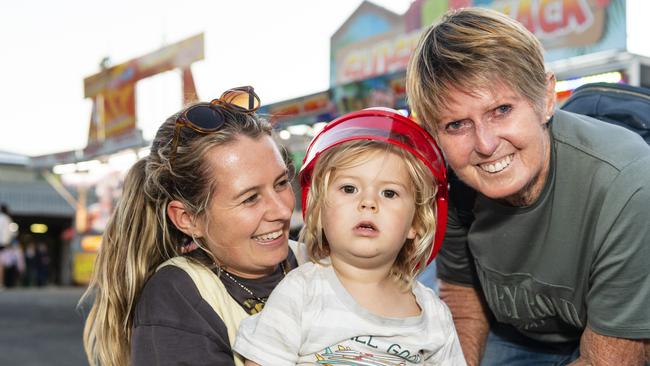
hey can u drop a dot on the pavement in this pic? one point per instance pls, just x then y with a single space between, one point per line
41 326
44 326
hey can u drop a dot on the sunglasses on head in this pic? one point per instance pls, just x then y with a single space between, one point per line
206 118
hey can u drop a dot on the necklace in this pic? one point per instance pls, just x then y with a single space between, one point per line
263 301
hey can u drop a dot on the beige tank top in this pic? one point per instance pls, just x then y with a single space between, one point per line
214 293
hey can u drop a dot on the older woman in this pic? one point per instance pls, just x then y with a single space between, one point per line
548 221
214 179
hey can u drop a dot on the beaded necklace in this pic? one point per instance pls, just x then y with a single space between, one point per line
263 301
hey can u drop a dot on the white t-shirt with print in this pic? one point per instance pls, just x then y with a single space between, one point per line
310 318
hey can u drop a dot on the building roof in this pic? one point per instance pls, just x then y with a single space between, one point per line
368 7
9 158
35 198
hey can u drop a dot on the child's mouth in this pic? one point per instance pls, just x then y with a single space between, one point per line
366 228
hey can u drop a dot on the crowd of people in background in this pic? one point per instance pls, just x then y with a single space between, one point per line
24 261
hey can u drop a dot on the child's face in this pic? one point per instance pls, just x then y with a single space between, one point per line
368 211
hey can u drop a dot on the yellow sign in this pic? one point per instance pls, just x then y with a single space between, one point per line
113 89
91 243
82 267
119 111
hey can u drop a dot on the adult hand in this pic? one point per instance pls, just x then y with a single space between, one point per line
470 319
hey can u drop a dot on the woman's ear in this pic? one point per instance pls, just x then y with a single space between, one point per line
549 107
182 219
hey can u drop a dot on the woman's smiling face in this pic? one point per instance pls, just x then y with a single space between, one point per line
497 142
247 228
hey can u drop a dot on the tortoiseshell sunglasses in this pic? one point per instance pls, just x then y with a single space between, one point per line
207 118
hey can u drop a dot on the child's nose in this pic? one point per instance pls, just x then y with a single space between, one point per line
368 204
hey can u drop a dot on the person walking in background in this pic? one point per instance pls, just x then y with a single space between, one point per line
5 235
30 274
42 264
374 190
214 180
13 263
5 226
547 254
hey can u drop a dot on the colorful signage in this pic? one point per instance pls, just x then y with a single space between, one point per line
372 58
566 28
113 89
370 42
178 55
570 28
564 88
82 267
91 243
311 106
118 111
380 91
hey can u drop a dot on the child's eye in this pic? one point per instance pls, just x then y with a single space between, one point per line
349 189
389 193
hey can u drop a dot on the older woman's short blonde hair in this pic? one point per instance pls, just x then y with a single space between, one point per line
471 49
415 252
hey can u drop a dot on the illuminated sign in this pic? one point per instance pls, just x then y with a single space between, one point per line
38 228
564 88
82 267
311 105
362 61
566 28
113 89
91 243
558 23
571 84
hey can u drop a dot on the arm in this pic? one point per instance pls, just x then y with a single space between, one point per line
251 363
470 319
597 350
456 271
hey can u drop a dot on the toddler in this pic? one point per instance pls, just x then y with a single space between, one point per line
374 203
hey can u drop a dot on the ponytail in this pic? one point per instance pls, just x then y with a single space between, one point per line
139 236
127 257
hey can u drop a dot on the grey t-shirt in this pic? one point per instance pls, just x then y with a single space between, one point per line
580 255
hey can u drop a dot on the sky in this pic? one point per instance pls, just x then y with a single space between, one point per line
281 47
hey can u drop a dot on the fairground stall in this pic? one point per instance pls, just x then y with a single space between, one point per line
585 41
91 179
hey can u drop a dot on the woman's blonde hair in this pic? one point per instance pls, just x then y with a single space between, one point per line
139 235
471 49
415 252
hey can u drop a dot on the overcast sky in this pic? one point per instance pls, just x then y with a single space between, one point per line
279 46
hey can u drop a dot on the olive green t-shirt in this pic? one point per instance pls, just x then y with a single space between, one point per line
580 255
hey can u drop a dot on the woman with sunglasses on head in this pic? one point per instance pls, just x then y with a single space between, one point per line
216 181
